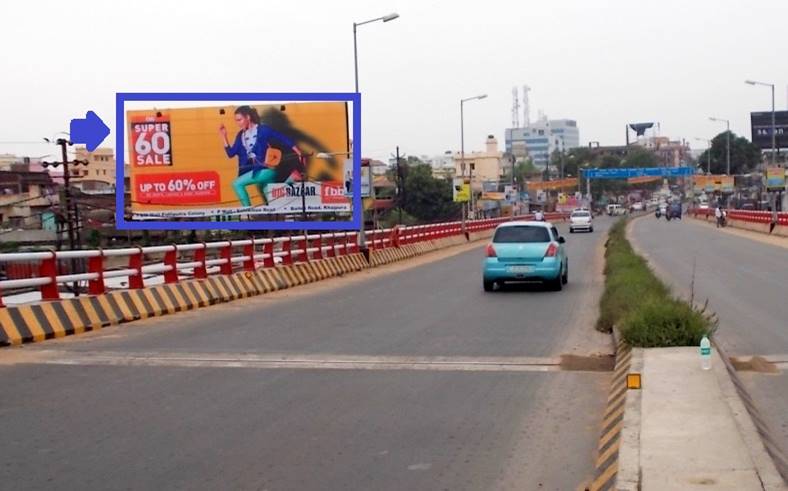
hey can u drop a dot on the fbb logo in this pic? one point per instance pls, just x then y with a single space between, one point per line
333 192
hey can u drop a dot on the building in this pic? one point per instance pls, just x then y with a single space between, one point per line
669 153
540 139
442 165
482 166
101 165
26 199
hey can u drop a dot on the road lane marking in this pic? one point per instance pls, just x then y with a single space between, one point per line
329 361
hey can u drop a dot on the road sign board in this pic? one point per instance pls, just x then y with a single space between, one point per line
627 172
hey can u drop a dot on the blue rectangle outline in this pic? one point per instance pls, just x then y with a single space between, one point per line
120 121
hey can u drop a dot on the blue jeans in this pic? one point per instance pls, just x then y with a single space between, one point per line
259 178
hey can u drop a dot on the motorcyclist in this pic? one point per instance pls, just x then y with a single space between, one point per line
539 216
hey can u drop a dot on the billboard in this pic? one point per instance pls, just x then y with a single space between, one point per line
628 172
461 190
713 183
347 179
261 159
557 184
761 124
775 178
643 179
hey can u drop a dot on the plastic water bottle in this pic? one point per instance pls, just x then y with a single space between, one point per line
705 353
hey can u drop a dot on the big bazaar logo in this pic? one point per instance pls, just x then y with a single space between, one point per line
333 192
293 191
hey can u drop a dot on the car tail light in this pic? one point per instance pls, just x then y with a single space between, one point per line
552 250
490 251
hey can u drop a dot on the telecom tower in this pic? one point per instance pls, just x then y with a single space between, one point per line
515 109
526 107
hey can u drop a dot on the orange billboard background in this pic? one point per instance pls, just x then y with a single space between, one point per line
178 160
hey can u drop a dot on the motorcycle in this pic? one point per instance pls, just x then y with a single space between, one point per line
658 213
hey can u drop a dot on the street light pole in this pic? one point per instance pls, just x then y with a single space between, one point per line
362 238
400 190
462 142
774 143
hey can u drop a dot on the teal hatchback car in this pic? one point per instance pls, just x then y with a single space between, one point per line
526 251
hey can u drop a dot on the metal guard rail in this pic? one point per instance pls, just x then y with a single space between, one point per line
751 216
254 254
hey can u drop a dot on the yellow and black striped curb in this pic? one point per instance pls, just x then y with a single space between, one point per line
47 320
379 257
613 421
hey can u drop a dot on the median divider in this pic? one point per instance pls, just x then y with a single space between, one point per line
281 263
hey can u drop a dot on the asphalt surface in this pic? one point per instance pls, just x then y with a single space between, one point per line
745 283
192 401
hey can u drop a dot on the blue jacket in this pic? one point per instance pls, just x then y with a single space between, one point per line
265 135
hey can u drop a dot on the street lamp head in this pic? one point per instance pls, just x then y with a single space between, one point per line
391 16
483 96
750 82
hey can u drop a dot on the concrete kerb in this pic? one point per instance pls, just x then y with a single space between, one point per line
769 460
629 476
611 438
764 453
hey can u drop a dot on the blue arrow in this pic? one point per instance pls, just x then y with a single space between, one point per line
90 131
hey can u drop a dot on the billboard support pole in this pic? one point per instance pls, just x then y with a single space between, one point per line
774 132
400 189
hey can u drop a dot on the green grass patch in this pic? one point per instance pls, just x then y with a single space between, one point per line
640 305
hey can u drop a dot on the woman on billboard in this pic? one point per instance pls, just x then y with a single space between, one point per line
250 146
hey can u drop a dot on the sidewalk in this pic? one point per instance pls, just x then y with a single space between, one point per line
694 432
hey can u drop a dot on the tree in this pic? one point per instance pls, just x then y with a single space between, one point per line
745 156
426 198
640 157
524 170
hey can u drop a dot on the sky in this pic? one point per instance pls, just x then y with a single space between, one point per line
604 63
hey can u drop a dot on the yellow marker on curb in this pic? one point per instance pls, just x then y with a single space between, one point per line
633 381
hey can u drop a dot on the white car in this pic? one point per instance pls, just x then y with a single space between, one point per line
580 220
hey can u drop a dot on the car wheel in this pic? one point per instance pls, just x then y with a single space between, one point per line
556 285
590 229
489 286
571 230
565 276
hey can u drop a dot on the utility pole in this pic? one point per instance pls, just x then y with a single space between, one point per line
563 151
400 189
71 215
67 193
471 207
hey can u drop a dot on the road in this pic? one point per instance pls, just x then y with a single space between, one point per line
414 379
745 283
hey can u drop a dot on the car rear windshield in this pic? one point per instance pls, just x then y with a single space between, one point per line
582 214
521 233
